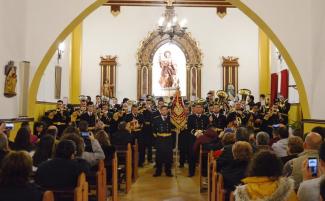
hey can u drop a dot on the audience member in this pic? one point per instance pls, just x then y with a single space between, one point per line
235 172
280 147
295 147
309 188
322 189
262 141
122 136
275 135
2 127
52 130
210 136
44 150
4 147
264 181
22 141
293 167
39 129
91 157
15 175
226 156
106 145
320 130
62 171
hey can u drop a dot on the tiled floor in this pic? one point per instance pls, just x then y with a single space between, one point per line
180 188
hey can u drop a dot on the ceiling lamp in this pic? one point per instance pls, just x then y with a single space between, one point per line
169 23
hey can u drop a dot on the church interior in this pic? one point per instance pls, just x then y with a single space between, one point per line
162 100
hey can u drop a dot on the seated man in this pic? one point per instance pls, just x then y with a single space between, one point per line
293 167
280 147
309 188
61 172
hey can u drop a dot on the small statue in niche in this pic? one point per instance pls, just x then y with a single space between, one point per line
107 89
11 80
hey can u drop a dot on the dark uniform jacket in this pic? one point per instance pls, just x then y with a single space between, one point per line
90 119
197 122
219 120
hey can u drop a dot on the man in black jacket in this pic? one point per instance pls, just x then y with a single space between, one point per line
196 121
61 172
89 116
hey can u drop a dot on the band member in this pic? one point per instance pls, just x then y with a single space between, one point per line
89 116
241 114
61 117
255 119
135 121
98 101
163 129
183 135
118 116
147 129
106 117
271 118
196 122
284 108
217 119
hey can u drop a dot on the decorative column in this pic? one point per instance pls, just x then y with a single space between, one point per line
264 63
75 66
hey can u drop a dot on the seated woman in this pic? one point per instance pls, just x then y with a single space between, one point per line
122 136
295 147
105 143
39 129
22 141
62 171
14 178
235 172
44 150
4 147
264 181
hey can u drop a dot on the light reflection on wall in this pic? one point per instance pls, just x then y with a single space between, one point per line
169 70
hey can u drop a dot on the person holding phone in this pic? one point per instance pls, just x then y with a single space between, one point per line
313 172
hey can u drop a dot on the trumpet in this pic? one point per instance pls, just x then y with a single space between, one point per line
244 93
222 96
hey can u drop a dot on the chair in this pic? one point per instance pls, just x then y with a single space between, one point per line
114 181
210 173
220 189
203 161
232 196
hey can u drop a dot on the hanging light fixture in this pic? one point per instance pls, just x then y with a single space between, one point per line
169 24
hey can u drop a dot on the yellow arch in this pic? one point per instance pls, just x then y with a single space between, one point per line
241 6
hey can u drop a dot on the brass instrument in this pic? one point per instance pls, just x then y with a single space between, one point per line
118 115
222 96
244 93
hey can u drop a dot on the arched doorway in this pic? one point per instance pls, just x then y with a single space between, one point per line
237 3
189 67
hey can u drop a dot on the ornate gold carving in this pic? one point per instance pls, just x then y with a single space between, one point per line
153 42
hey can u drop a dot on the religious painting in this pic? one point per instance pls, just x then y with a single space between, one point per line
108 76
230 76
169 70
58 75
10 80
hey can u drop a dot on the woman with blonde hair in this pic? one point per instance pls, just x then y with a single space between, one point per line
265 181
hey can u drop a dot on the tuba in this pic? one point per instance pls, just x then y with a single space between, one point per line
222 96
244 93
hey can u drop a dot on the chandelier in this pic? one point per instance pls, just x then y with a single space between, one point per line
169 24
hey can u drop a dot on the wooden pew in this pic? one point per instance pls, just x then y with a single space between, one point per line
232 196
220 190
101 186
124 155
48 196
203 159
80 193
114 181
135 161
211 169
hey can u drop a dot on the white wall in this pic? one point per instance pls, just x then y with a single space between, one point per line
299 24
46 90
11 48
235 35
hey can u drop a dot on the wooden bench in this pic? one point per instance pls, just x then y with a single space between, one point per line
48 196
203 166
211 169
232 196
135 161
114 181
124 155
79 193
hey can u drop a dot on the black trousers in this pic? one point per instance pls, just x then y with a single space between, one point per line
164 154
182 147
190 140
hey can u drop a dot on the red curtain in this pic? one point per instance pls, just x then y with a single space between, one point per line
274 87
285 83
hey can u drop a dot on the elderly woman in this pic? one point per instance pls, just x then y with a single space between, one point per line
235 172
264 181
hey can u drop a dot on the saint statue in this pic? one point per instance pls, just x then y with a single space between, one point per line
11 79
231 91
168 71
107 89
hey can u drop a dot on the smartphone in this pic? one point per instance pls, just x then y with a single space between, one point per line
313 166
85 134
9 126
